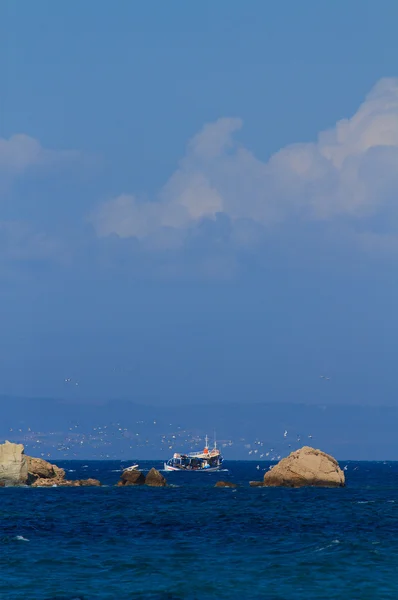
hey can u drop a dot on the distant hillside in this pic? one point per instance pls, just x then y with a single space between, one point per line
118 429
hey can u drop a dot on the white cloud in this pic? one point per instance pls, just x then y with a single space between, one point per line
350 172
21 152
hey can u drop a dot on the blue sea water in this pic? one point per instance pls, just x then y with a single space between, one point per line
193 541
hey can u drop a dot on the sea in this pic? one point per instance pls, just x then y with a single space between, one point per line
194 541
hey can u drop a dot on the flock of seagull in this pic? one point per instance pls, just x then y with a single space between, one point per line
112 440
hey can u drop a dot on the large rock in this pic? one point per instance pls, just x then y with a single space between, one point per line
39 468
306 467
13 464
155 479
131 478
18 469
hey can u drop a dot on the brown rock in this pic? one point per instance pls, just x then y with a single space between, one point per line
13 464
43 469
132 478
306 467
40 469
256 484
59 473
225 484
44 474
90 482
43 482
155 479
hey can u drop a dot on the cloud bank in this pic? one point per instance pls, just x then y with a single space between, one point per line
349 174
21 152
222 209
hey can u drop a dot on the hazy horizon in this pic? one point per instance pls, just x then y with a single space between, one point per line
58 430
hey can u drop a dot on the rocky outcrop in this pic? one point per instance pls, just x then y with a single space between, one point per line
131 478
155 479
306 467
44 474
41 469
18 469
13 464
225 484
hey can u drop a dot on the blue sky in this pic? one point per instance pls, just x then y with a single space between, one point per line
199 200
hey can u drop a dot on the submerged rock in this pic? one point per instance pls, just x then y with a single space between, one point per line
306 467
256 483
155 479
13 464
131 478
54 482
225 484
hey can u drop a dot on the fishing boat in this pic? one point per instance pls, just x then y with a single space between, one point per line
207 460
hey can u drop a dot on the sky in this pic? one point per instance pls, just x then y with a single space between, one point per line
199 201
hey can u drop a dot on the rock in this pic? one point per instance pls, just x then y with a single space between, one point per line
256 483
59 473
13 464
40 473
44 482
89 482
40 468
306 467
53 482
155 479
131 478
225 484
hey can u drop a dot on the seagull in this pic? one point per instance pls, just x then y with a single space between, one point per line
285 434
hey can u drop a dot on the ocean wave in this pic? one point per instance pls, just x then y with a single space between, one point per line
333 543
21 538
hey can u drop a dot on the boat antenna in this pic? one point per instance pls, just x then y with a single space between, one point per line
215 441
207 442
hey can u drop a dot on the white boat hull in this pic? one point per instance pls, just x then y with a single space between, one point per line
209 470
